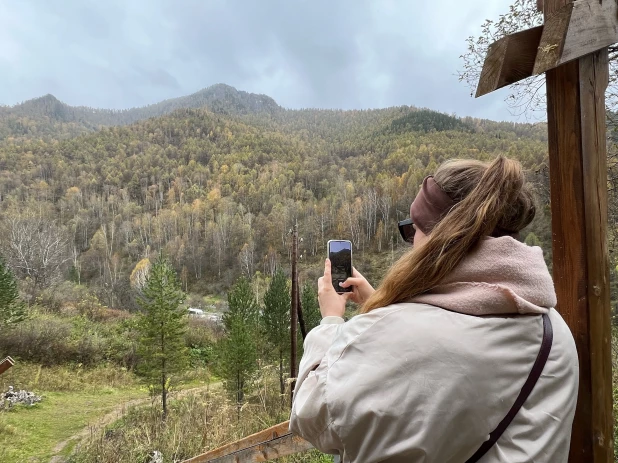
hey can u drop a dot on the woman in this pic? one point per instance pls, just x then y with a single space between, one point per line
442 349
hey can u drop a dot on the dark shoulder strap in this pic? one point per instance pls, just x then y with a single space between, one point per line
535 373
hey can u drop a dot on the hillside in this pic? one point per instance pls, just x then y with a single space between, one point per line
48 117
219 192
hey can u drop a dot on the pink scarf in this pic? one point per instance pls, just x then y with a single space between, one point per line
499 276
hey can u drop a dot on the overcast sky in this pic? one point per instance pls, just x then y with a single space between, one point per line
318 53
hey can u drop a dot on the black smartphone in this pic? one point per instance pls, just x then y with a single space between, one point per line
340 255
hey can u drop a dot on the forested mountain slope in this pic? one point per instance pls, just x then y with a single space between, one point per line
46 116
219 192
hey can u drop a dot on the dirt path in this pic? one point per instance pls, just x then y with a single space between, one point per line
115 415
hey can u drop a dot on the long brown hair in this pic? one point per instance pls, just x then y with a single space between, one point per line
489 196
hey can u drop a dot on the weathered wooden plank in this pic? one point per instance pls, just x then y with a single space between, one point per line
551 45
568 233
7 363
575 30
271 434
509 60
594 79
570 32
267 451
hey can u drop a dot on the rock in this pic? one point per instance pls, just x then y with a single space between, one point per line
156 457
12 397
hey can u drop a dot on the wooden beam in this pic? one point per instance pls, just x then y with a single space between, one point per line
509 60
267 451
7 363
570 32
575 30
578 184
269 440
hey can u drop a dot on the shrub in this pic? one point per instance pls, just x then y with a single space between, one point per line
53 340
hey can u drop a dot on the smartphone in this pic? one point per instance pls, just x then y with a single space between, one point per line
340 255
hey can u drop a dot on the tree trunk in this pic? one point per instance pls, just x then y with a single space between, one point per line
163 378
163 391
281 381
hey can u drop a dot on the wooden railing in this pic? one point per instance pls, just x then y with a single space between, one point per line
6 364
266 445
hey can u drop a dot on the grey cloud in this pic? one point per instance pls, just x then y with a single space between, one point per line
344 54
159 78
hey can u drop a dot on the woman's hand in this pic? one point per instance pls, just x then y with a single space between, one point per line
361 289
331 303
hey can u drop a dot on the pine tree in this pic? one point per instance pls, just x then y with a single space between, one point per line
276 319
242 304
238 357
162 327
311 308
12 309
238 350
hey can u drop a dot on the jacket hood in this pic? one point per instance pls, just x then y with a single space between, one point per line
499 276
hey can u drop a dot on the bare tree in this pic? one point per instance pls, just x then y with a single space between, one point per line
245 258
36 248
527 97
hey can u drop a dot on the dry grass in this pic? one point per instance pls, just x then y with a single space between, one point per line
196 423
68 378
72 397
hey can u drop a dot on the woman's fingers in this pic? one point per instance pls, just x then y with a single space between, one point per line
324 282
352 281
327 269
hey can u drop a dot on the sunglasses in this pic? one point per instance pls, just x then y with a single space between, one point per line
407 231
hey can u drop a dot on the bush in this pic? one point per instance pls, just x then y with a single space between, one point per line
53 340
45 340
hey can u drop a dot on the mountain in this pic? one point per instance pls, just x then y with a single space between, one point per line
217 179
47 116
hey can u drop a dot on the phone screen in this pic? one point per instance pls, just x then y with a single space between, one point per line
340 255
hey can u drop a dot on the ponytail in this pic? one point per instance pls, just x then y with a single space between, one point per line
489 197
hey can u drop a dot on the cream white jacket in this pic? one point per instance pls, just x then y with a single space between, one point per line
416 383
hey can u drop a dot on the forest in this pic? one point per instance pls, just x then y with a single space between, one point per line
218 190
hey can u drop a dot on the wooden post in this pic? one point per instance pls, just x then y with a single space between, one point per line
578 183
301 318
293 310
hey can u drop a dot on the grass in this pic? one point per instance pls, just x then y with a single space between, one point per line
201 420
74 398
31 433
